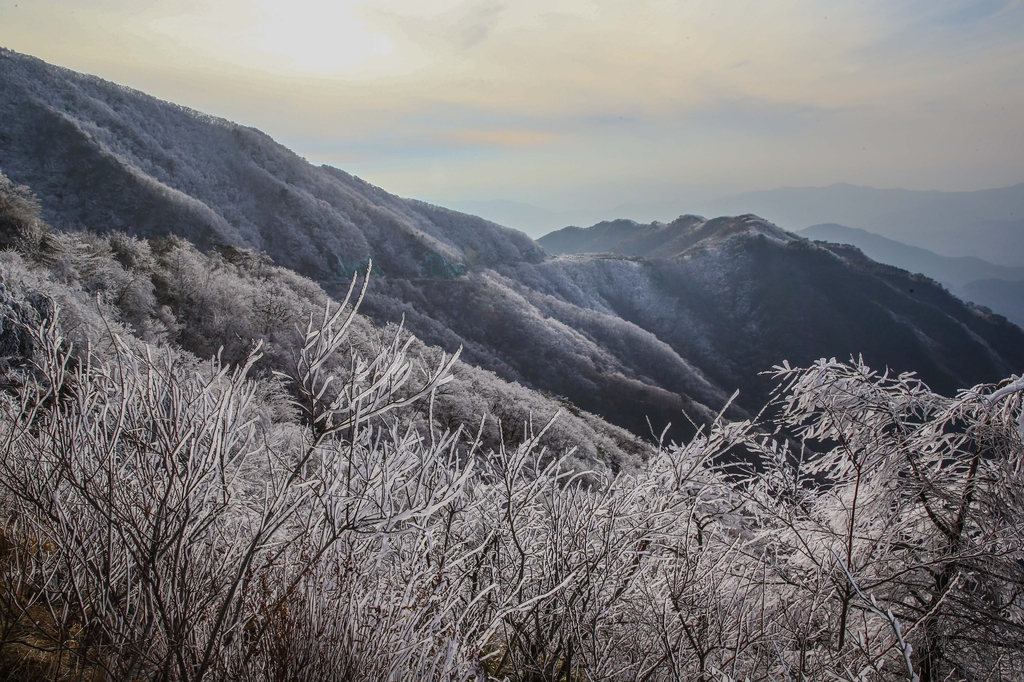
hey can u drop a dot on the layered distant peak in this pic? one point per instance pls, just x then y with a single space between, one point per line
602 237
658 240
693 234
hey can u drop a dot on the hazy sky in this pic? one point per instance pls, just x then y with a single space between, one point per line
566 103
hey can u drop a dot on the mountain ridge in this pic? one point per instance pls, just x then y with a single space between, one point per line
656 240
797 285
85 126
946 222
954 271
987 224
639 340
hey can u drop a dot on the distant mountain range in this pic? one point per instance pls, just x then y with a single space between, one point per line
533 220
671 319
996 286
986 224
537 222
1005 298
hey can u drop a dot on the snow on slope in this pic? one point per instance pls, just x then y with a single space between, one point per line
105 157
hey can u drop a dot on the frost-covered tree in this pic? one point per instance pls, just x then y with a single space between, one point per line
169 519
904 506
146 498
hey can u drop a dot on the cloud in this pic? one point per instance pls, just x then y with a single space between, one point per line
973 12
761 118
502 137
475 26
538 96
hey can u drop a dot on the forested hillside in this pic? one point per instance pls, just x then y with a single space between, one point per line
223 302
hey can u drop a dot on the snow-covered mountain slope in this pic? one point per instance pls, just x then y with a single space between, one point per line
679 317
105 157
735 296
164 291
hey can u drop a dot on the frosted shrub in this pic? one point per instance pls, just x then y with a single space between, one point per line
897 542
167 519
20 224
146 500
605 568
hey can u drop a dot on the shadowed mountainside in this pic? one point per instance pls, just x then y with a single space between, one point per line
952 271
1006 298
736 295
972 279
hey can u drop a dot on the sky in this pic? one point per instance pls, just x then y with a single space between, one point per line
567 104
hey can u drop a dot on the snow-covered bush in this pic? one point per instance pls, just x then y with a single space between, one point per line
906 507
175 520
145 498
20 224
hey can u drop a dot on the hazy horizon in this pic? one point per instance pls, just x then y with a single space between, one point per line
612 206
566 104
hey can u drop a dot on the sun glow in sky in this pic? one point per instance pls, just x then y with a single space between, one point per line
572 103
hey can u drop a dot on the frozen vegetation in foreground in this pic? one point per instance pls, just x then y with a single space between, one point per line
173 520
322 507
324 504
